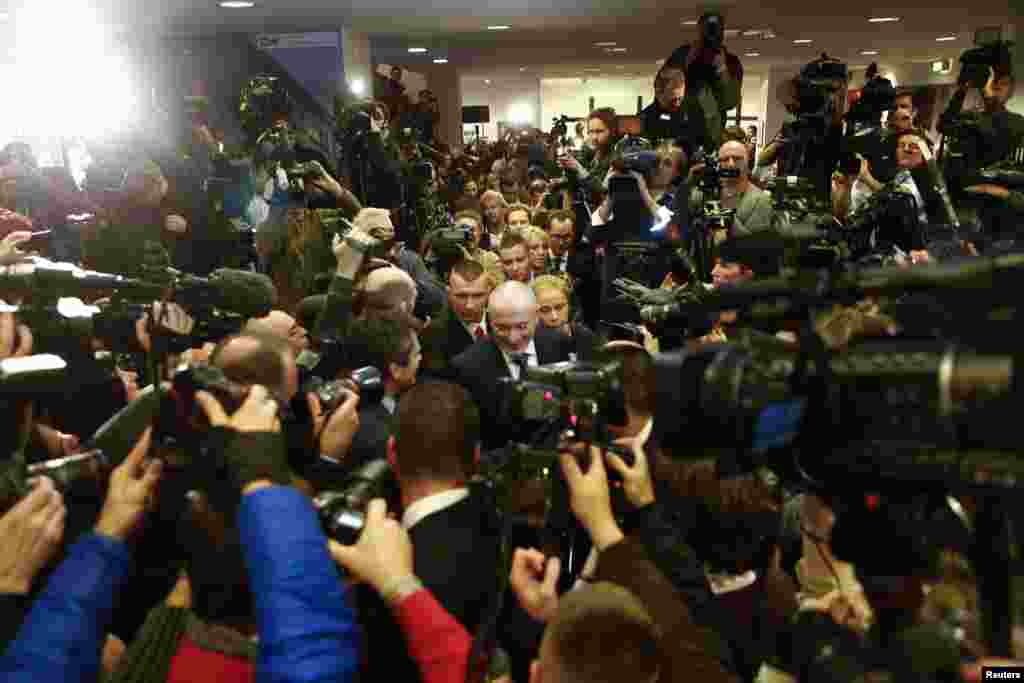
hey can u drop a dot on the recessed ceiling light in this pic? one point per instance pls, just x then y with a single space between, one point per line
487 81
237 4
868 53
522 69
609 43
690 22
883 20
440 61
498 27
802 41
619 49
417 50
945 39
752 54
752 33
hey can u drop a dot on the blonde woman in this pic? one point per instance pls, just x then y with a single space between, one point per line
537 247
553 295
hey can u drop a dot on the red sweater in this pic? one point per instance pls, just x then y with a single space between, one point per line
439 644
192 663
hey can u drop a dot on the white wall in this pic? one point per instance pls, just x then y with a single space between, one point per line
501 96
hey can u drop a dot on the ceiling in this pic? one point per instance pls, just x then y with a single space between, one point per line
555 38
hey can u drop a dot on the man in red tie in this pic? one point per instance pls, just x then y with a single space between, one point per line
462 322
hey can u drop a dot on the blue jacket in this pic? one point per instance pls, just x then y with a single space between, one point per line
306 626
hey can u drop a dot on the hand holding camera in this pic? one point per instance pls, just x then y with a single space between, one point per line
9 251
636 475
382 557
590 494
335 425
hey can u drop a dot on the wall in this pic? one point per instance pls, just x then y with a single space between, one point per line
501 96
318 69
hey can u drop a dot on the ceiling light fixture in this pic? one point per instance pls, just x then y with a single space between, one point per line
945 39
522 69
237 4
441 61
417 50
609 43
498 27
619 49
487 81
883 20
802 41
868 53
357 86
690 22
752 54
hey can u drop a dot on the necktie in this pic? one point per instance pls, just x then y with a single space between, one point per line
479 332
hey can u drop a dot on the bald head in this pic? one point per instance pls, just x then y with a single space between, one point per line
255 357
283 326
512 315
389 290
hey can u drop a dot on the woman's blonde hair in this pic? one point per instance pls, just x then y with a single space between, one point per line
545 282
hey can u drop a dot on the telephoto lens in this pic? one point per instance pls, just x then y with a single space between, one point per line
343 513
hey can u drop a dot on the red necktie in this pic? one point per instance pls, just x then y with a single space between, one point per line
479 332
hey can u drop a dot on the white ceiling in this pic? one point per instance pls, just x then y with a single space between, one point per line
555 38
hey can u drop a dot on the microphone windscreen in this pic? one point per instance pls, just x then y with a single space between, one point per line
252 295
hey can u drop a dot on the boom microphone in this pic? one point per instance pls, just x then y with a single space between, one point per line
1001 274
251 295
69 280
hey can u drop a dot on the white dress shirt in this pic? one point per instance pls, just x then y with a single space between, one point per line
424 507
532 361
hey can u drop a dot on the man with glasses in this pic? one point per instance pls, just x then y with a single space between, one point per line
515 340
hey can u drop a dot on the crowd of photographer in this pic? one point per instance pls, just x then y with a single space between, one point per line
664 407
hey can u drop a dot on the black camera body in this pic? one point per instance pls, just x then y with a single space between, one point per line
343 512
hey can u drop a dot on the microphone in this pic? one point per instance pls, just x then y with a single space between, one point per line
65 278
1003 273
251 295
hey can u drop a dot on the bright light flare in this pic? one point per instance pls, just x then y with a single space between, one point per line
68 82
520 113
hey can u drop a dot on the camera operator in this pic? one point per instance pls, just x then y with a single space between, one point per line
628 593
753 206
714 76
603 134
455 544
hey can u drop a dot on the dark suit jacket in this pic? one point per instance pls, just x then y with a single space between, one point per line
371 440
455 553
442 340
480 368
